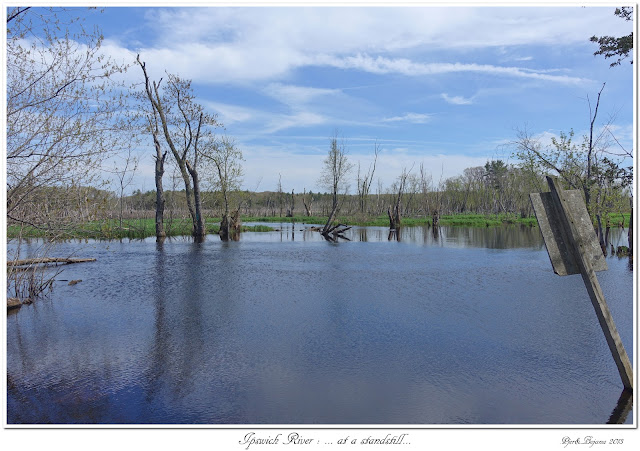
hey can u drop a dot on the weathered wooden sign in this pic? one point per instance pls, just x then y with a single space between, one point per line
556 239
574 249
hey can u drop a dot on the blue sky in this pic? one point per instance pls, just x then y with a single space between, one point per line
447 87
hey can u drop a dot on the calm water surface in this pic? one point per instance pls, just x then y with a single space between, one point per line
469 327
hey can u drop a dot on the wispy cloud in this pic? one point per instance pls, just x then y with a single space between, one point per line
297 95
230 114
212 45
298 119
414 118
456 100
382 65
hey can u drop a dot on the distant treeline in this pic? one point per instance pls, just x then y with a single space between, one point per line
493 189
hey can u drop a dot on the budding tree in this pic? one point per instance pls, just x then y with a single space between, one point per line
334 175
226 158
64 110
187 128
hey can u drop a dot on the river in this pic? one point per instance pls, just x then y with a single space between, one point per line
468 327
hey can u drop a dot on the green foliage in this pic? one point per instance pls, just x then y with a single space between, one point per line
620 47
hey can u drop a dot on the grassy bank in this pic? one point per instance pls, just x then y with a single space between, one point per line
131 228
144 228
467 220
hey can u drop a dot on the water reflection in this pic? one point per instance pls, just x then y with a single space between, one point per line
483 237
428 330
622 409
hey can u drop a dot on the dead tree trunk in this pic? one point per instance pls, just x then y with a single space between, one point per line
435 218
630 232
290 209
160 200
394 212
187 170
48 260
224 228
395 219
198 220
307 206
332 217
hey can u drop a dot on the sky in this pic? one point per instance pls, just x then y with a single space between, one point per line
447 87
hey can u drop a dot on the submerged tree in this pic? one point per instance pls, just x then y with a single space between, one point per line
226 159
394 210
160 157
186 128
333 177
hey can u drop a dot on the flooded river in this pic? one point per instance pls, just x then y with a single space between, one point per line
468 327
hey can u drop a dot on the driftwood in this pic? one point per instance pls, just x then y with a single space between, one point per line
48 260
15 303
334 232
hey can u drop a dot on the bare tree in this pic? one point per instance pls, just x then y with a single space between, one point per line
186 127
578 167
308 204
125 174
280 194
364 182
160 158
334 178
394 211
64 109
291 205
226 158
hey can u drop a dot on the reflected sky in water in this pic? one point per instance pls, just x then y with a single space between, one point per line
467 327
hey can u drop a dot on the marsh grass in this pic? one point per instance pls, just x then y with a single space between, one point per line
131 229
144 228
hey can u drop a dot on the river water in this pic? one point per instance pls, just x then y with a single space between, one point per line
469 327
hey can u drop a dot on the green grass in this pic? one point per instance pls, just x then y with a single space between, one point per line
131 228
467 220
472 220
144 228
618 218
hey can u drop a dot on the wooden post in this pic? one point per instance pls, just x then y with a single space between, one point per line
579 245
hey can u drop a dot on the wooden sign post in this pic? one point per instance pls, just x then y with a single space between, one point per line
573 248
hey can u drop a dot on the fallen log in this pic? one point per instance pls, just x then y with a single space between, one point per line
48 260
14 303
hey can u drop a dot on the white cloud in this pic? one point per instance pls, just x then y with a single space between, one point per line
220 44
299 119
229 114
297 95
456 100
382 65
414 118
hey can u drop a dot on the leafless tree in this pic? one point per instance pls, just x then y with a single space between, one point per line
226 158
186 128
395 211
334 177
64 119
364 182
64 110
308 203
